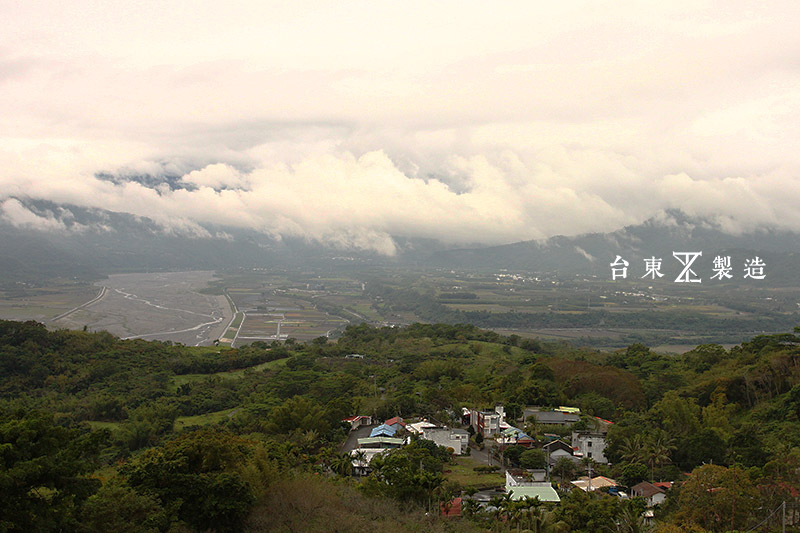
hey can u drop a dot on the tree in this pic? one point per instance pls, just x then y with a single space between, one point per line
633 449
717 498
780 480
411 473
565 469
533 458
658 450
547 522
201 475
513 410
589 466
342 464
360 457
43 470
631 520
513 453
632 474
704 446
588 511
678 416
117 507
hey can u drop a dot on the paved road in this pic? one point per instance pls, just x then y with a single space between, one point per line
482 456
83 306
352 439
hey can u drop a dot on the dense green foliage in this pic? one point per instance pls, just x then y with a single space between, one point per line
96 431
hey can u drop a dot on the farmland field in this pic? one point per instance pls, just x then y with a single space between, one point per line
151 306
242 306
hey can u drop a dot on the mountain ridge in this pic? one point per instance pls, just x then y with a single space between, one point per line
72 241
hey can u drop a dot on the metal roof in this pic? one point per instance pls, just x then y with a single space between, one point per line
545 493
383 429
381 440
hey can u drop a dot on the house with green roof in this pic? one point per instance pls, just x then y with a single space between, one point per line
542 490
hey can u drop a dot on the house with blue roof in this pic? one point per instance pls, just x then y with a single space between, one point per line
383 431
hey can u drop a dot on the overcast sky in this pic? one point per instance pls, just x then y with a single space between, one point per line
348 122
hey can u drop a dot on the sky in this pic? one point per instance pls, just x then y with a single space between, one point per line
352 122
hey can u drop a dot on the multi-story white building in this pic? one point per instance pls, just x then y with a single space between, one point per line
486 422
590 444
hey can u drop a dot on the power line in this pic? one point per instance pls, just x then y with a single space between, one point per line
781 506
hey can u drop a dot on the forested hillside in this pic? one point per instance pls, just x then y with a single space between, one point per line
100 434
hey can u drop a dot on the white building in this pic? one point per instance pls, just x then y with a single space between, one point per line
590 444
487 423
417 427
653 495
457 439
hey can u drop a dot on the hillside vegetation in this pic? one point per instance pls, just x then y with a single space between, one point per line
101 434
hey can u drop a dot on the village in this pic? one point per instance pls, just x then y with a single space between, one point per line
536 469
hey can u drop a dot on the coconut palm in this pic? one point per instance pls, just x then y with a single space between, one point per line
360 458
631 521
546 522
342 464
633 449
658 451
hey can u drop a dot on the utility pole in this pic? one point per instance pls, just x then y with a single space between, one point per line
783 517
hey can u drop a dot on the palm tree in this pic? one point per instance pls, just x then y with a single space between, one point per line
360 457
342 464
630 521
633 449
546 523
659 449
500 508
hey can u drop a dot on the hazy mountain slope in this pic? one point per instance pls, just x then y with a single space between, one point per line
70 241
592 254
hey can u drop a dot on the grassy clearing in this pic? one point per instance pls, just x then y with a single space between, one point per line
103 425
203 420
179 380
462 473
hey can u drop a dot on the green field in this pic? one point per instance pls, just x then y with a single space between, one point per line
204 419
182 379
462 472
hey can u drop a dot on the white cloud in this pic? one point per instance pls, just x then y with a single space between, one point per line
350 123
17 214
216 176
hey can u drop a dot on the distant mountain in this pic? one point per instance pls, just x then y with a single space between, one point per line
68 241
31 256
592 254
76 242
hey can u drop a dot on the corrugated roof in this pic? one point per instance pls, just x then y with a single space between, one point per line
383 429
381 440
596 482
395 420
555 417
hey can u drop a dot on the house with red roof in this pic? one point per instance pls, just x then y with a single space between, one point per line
396 422
357 421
